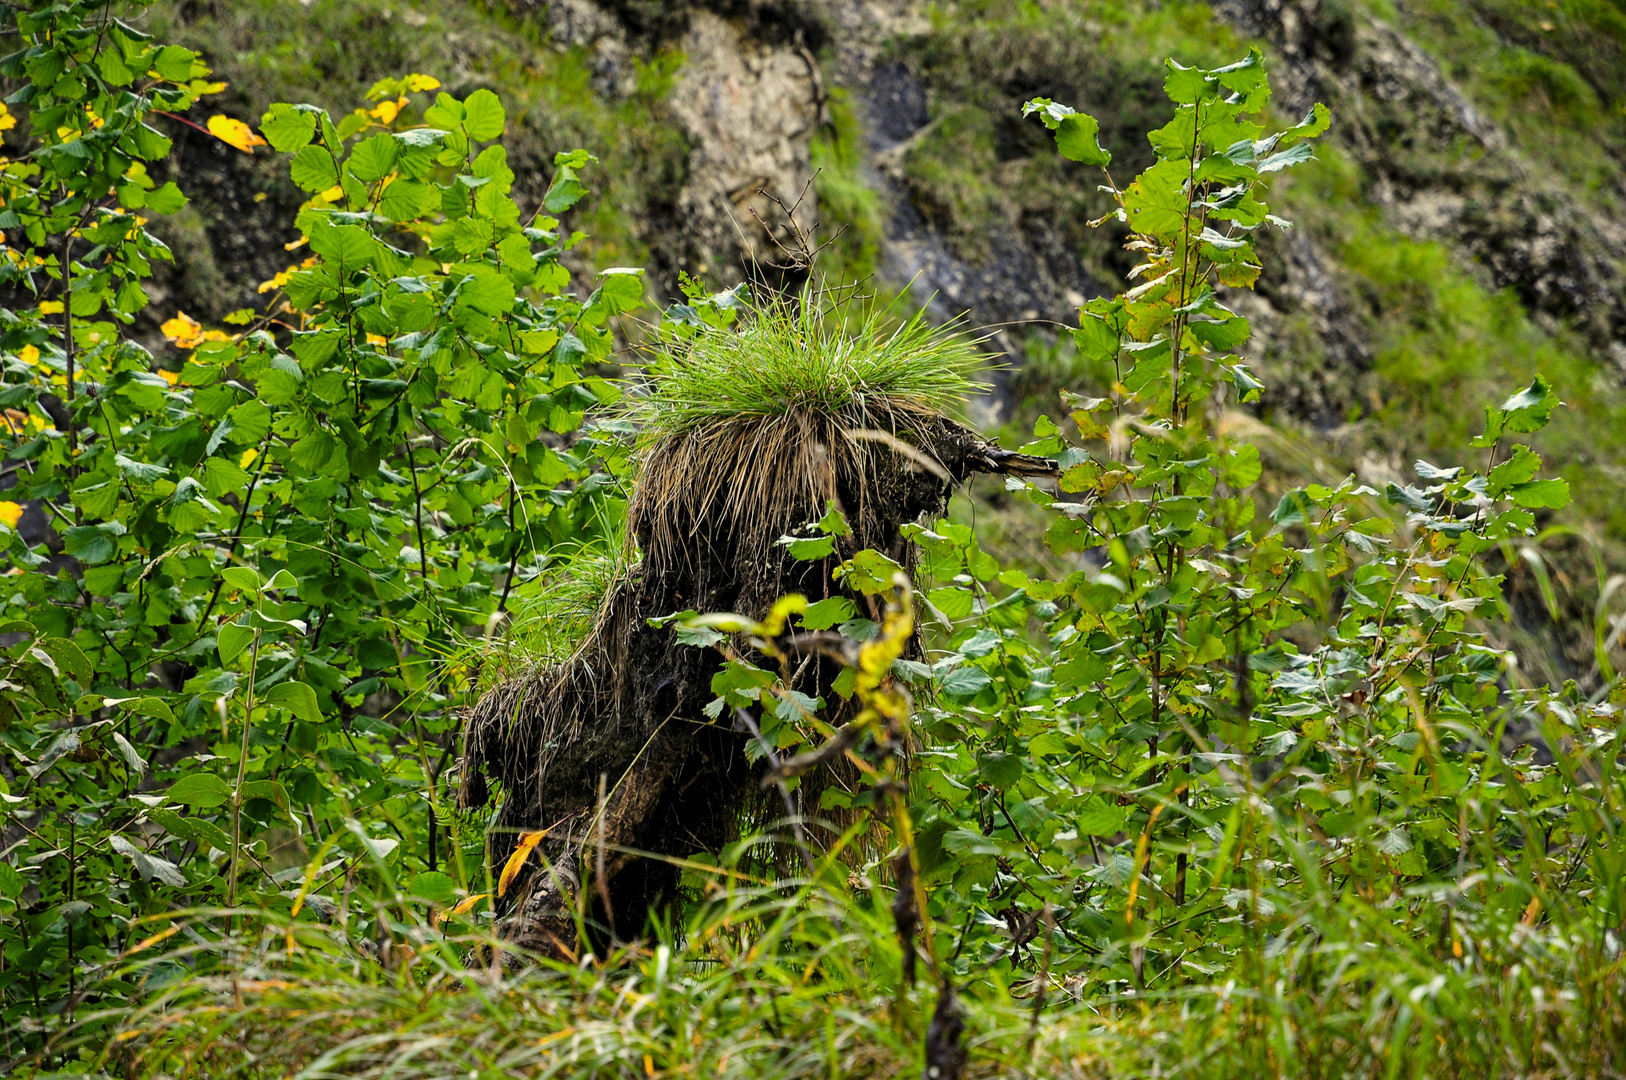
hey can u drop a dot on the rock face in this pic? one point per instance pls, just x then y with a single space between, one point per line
1441 169
748 87
751 97
748 104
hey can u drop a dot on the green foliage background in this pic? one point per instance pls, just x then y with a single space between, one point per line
1222 762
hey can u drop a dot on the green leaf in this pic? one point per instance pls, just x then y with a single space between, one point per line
69 659
90 544
174 63
483 116
1551 494
12 883
297 698
1101 818
156 708
1185 85
199 790
231 640
407 200
222 476
1156 202
65 743
269 790
1531 408
828 612
138 471
999 770
243 578
1242 467
132 760
566 190
314 450
435 887
288 129
869 572
313 169
807 548
621 289
166 199
147 865
1315 122
953 601
487 293
965 681
1077 137
373 158
351 246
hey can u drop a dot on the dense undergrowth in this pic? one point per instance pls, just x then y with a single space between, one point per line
1240 786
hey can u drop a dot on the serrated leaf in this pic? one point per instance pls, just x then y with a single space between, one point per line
965 681
1553 494
373 158
953 601
1000 770
831 611
313 169
88 543
483 116
287 128
1077 137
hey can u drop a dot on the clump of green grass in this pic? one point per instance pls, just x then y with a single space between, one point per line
790 356
556 610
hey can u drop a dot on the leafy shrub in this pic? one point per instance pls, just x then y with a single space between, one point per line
1246 790
279 556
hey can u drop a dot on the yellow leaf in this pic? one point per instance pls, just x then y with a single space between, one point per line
248 458
463 906
377 339
10 514
7 121
387 111
29 354
516 861
332 194
50 307
234 133
422 82
183 331
171 377
148 943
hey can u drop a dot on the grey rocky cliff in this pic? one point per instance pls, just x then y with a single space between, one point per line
753 92
1441 169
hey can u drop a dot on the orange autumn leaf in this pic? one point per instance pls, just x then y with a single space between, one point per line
183 330
387 111
148 943
516 861
10 514
463 907
234 133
